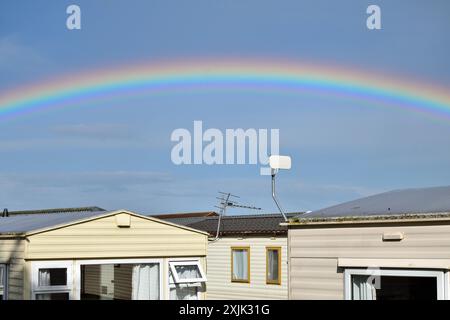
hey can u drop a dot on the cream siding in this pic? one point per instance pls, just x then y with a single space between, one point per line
219 285
314 252
12 253
101 238
315 279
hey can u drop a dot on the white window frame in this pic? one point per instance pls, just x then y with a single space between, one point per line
79 263
442 279
36 289
172 284
5 280
177 280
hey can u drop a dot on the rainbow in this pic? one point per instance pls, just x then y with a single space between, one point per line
260 74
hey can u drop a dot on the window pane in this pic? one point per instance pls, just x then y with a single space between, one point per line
2 281
120 281
52 277
240 264
273 267
181 292
407 288
188 272
394 288
53 296
2 276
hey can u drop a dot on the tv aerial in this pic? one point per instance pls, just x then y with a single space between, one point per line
226 200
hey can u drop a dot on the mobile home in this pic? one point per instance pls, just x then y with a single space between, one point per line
248 259
100 255
394 245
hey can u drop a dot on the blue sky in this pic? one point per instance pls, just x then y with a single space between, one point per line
116 153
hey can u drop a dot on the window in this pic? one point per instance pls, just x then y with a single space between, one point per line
52 277
185 279
366 284
118 279
187 271
53 296
52 280
273 265
114 281
240 264
3 281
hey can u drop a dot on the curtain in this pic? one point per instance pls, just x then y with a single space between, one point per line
188 272
240 267
363 289
43 281
183 292
2 276
44 277
273 265
2 281
145 282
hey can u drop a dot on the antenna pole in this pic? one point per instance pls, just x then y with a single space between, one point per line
224 203
274 196
223 209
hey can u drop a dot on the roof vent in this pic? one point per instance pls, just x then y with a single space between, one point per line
123 220
393 236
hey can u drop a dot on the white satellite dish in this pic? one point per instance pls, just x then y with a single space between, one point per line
280 162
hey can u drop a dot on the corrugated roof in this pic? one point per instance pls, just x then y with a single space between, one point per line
23 223
183 221
186 215
238 224
392 203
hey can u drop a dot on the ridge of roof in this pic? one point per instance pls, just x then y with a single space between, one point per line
57 210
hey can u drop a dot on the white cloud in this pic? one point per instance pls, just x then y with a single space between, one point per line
84 179
17 57
103 131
